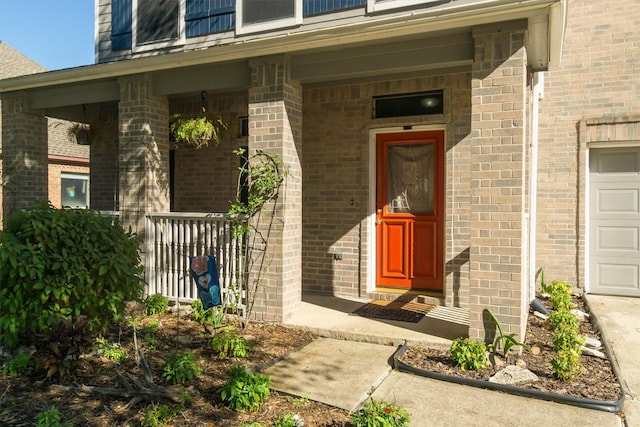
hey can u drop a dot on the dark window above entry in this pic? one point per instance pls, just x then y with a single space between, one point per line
412 104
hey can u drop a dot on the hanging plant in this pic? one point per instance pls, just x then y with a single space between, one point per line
200 130
81 133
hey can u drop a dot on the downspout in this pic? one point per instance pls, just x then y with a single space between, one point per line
538 94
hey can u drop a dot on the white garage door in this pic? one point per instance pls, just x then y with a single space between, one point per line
614 221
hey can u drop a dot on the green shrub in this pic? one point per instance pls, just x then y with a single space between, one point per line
560 295
228 344
51 418
563 317
245 391
289 420
469 354
18 365
566 364
156 304
567 336
181 367
380 414
63 263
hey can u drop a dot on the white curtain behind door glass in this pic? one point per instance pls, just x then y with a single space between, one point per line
410 178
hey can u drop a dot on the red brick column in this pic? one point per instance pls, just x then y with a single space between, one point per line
24 155
275 126
498 119
143 159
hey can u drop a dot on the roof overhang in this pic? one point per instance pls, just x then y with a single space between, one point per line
99 83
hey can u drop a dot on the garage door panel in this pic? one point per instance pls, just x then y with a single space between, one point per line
624 201
618 276
617 239
614 221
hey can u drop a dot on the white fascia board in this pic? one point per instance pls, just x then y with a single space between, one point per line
557 27
461 13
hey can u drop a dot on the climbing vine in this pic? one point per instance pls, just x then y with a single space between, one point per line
261 176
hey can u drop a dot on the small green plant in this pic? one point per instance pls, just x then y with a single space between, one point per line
380 414
181 367
18 365
501 339
156 304
567 336
560 295
213 316
563 317
298 402
111 351
51 418
469 354
158 415
289 420
229 344
245 391
252 424
566 364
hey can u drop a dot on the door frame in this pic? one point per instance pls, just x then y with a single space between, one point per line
372 259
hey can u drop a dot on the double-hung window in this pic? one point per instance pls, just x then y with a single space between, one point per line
75 190
262 15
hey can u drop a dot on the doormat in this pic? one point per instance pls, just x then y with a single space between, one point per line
394 310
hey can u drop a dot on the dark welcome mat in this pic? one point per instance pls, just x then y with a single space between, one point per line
394 310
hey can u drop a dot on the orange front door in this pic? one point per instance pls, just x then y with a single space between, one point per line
410 209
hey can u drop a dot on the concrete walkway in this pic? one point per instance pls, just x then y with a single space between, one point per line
352 363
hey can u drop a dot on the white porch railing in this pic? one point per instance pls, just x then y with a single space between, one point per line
172 237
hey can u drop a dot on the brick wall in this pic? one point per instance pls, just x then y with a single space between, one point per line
206 179
336 180
597 78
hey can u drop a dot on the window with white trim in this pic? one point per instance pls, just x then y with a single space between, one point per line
382 5
263 15
75 190
157 23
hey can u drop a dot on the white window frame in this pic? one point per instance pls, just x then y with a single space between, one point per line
148 46
268 25
79 176
383 5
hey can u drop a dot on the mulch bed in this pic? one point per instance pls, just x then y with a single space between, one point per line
597 381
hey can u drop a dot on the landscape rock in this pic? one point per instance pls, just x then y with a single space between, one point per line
592 343
540 315
592 352
513 375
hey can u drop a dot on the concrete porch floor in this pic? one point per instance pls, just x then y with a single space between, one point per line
332 317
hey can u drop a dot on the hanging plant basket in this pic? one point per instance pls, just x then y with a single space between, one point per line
200 131
81 133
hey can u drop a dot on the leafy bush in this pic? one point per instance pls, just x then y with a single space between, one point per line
245 391
229 344
560 295
156 304
559 318
380 414
181 367
51 418
566 364
62 345
18 365
289 420
63 263
157 415
469 354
